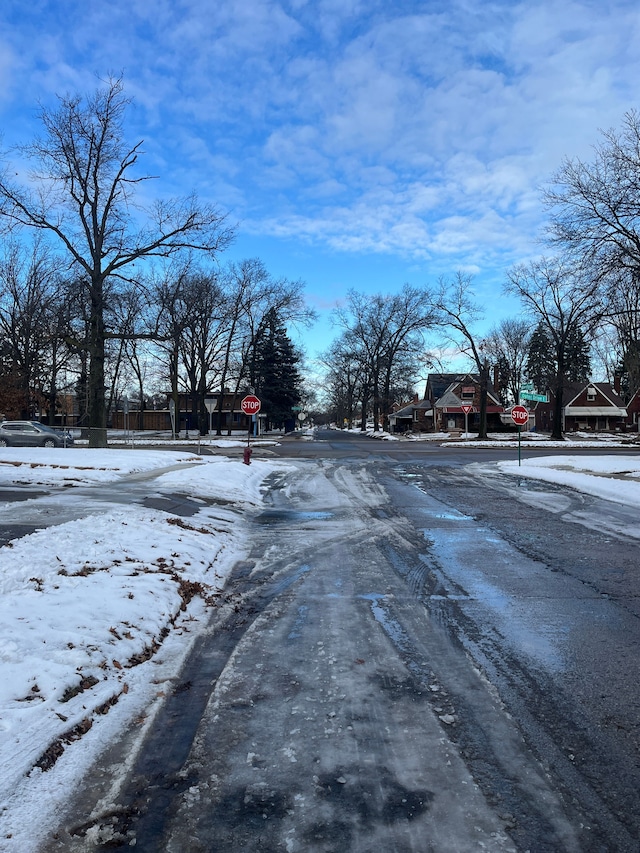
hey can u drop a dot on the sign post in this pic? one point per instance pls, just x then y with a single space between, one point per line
520 417
250 405
466 408
210 403
172 413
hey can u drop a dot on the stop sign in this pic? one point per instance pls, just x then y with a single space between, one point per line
519 415
250 404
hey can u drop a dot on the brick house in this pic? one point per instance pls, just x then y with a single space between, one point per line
633 412
588 406
231 415
447 393
416 416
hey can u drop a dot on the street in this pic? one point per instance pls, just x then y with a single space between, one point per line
420 654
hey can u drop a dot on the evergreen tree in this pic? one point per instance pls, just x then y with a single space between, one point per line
540 366
275 374
577 358
542 359
505 376
629 370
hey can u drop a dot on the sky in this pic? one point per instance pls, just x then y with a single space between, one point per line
354 145
82 600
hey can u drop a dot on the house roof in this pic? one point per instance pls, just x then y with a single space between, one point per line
442 385
574 389
439 382
448 400
407 411
607 403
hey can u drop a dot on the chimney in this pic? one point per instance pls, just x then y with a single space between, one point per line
495 376
616 383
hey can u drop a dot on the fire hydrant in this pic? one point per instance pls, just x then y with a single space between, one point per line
247 456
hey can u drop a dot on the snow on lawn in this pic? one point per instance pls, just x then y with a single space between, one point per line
614 478
78 466
97 614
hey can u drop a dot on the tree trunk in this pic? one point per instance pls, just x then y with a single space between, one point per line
203 412
51 402
558 406
175 393
365 403
484 381
97 407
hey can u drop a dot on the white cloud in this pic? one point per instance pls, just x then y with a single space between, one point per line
363 126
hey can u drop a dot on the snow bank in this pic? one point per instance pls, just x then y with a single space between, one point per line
97 613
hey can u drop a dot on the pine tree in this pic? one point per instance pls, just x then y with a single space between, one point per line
505 374
629 370
542 360
276 377
540 366
576 354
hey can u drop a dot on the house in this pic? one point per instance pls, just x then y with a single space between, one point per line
588 406
450 394
633 412
231 415
416 416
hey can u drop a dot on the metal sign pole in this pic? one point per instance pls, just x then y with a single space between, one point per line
519 431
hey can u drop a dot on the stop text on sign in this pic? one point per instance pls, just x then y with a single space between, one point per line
250 405
519 415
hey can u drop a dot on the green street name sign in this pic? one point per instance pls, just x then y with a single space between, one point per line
529 395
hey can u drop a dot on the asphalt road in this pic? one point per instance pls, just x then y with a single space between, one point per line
420 655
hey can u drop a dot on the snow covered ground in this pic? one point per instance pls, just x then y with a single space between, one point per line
614 478
469 439
97 614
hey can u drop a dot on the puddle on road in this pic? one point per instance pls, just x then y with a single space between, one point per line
532 624
392 628
276 516
449 516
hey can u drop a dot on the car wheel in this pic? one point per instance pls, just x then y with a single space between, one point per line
3 442
49 443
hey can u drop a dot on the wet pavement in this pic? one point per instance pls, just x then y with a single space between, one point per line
418 656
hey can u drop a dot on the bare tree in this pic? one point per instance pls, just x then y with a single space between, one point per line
595 207
457 311
172 298
134 319
508 345
34 317
384 331
344 378
595 218
623 317
563 297
81 194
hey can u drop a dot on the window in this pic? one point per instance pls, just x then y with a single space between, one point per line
591 394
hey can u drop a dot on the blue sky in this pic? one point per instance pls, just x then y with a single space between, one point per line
356 144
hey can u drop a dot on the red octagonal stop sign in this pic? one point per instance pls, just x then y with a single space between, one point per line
519 415
250 404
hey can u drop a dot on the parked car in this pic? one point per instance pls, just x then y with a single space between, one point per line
32 434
